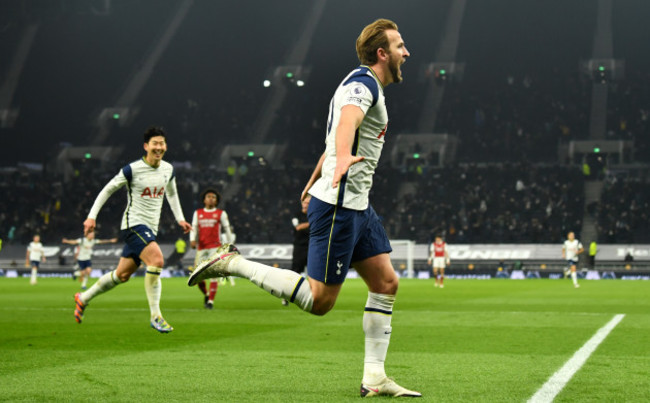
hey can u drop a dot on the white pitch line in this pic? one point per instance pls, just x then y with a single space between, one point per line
558 381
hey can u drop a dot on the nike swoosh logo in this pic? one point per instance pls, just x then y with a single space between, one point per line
374 390
386 332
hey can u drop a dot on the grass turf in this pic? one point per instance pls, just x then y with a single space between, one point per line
496 340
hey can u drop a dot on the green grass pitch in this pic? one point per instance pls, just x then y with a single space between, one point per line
488 341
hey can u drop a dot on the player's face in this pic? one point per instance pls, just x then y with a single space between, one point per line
155 148
571 236
91 236
397 54
438 240
210 200
37 238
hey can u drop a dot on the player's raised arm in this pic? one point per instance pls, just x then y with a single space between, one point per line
350 120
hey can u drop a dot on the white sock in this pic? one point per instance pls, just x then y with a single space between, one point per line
106 282
34 273
574 277
376 326
153 288
84 282
284 284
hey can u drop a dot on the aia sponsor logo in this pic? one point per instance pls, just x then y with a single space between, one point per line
153 194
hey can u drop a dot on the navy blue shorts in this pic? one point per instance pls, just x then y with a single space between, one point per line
84 264
35 263
136 239
338 237
572 262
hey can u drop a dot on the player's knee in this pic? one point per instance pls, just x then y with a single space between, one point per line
322 305
391 286
157 261
123 276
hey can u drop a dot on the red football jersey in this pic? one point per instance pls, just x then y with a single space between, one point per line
209 223
439 249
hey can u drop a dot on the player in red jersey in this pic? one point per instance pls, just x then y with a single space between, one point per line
207 225
439 258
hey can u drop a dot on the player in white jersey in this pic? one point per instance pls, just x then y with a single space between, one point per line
35 254
439 259
570 251
148 181
345 231
85 252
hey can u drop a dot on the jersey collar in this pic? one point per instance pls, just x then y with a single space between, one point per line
374 75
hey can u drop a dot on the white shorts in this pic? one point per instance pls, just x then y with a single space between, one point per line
439 262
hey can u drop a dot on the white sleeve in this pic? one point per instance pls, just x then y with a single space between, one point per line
194 234
111 187
225 224
173 200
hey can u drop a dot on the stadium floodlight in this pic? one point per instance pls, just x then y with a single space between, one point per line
266 83
116 116
300 83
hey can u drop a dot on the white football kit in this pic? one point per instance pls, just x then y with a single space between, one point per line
571 249
361 88
36 251
86 248
146 188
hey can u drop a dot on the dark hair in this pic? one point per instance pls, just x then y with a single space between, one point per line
210 190
153 131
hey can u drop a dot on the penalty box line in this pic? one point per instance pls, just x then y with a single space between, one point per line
558 381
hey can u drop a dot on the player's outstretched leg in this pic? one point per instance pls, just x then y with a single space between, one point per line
105 283
227 261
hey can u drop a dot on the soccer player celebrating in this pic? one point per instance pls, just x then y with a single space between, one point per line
439 257
570 251
345 231
148 181
207 223
84 254
35 254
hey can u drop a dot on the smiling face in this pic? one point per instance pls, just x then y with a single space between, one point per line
155 148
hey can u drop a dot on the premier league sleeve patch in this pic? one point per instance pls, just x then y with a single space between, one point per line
358 94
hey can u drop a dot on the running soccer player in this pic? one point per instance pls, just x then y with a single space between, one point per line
84 254
570 251
345 231
148 181
439 258
35 254
207 223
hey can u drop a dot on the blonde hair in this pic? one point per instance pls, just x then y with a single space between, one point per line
372 38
